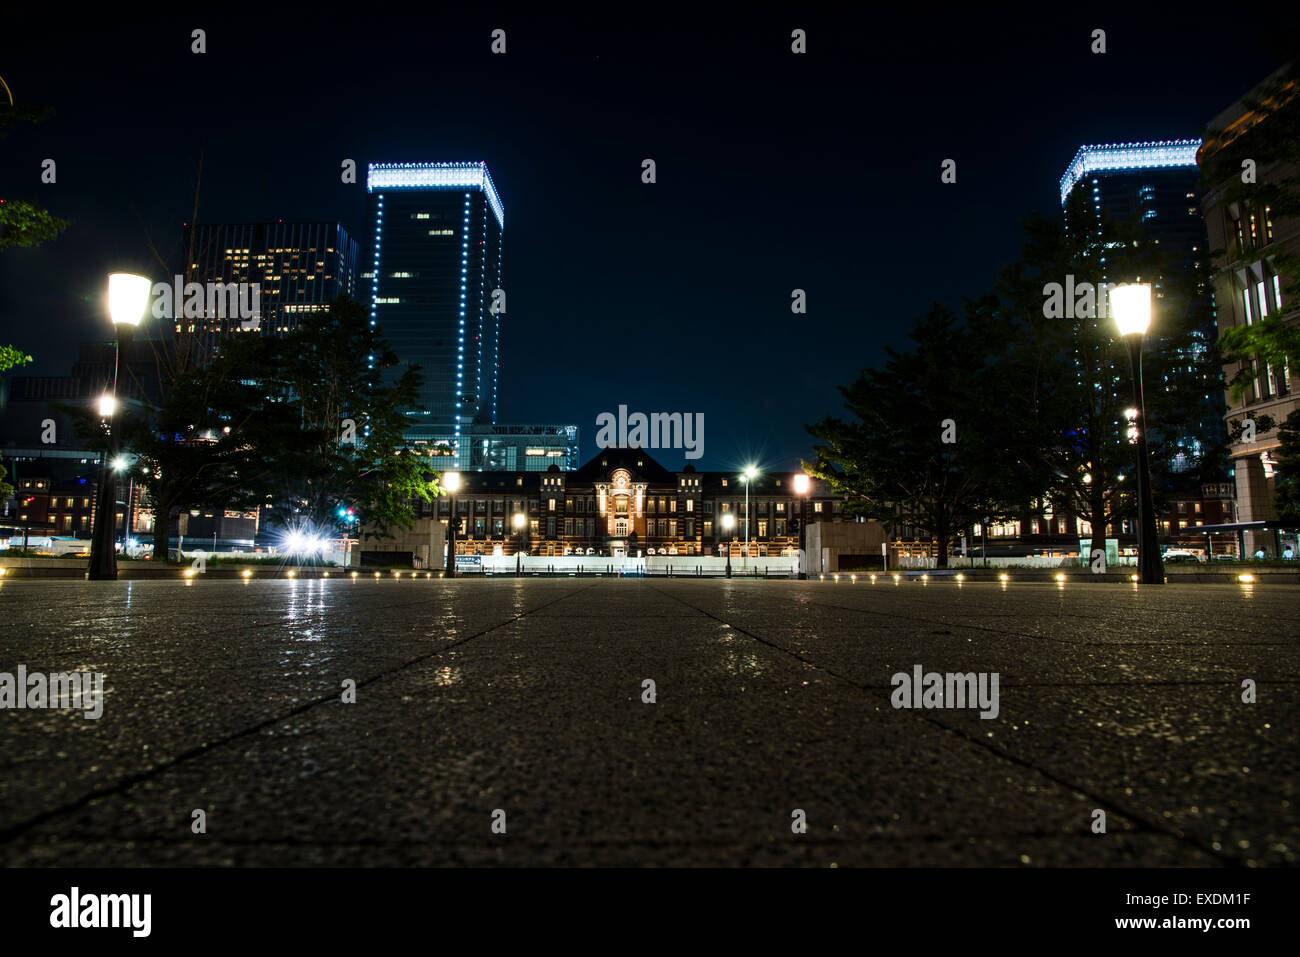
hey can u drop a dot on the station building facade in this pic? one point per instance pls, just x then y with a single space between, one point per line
624 503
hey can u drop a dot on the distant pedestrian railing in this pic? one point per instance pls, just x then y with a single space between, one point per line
657 566
1026 561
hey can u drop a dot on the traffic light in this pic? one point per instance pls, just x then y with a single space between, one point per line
347 517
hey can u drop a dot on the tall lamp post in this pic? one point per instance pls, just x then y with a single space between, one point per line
450 482
801 486
1131 305
128 298
748 475
518 521
728 525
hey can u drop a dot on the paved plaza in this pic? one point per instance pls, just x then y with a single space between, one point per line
528 697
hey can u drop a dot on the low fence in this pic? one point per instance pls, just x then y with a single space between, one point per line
1027 561
654 566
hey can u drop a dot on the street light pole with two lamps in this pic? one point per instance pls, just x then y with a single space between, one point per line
450 482
728 521
1131 305
128 298
748 477
519 520
802 483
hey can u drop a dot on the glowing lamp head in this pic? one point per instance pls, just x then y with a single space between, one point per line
519 520
107 405
128 298
120 463
1130 304
450 481
801 484
728 521
750 473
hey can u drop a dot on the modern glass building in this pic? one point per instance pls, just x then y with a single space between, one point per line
508 448
298 266
435 269
1154 184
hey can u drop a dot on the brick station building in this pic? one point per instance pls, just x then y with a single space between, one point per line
624 502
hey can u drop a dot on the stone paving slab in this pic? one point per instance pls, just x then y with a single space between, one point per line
526 695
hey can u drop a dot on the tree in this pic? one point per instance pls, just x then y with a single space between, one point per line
23 223
328 421
9 358
1083 382
1286 491
935 440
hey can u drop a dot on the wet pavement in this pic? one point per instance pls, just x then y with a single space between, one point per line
521 704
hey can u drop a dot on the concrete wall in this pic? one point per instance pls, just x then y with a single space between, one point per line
825 542
426 541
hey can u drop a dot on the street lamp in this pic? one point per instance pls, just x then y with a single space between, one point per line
1131 304
519 521
128 298
748 476
450 482
801 486
728 524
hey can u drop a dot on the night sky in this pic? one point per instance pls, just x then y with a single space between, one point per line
775 172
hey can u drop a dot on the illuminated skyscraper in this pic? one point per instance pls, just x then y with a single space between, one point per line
434 272
298 268
1155 185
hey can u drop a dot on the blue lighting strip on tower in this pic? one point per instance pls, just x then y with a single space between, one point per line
1112 157
436 176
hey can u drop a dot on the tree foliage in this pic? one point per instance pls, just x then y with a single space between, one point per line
918 447
1286 491
328 420
1038 395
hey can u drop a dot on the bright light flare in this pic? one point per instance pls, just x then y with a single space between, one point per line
304 543
128 298
1130 304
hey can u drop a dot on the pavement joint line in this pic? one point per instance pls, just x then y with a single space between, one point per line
996 631
12 832
684 842
1146 823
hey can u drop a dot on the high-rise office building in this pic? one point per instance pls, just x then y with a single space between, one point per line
1255 248
298 268
435 282
532 447
1155 185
